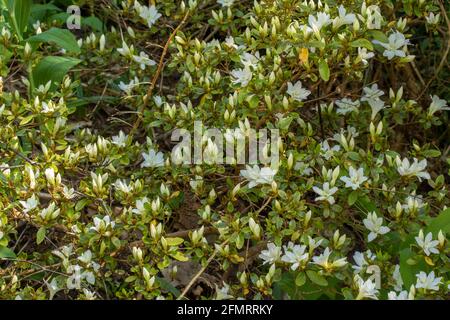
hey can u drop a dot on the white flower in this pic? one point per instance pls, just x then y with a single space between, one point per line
158 101
225 3
417 169
363 55
356 178
89 295
360 260
125 50
271 255
297 92
250 60
366 289
31 204
372 93
242 76
229 41
86 257
295 255
257 175
347 106
427 243
322 260
403 295
327 151
74 281
123 186
49 107
325 194
140 205
343 18
152 159
127 88
437 105
413 204
52 287
375 226
223 293
433 19
428 282
49 213
374 17
100 225
149 14
211 152
316 24
396 46
102 43
376 106
120 140
68 193
143 60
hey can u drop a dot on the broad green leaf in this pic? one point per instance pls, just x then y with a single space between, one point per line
61 37
300 279
362 43
324 70
53 68
410 267
179 256
317 278
19 11
431 153
40 235
166 285
6 253
378 35
174 241
441 222
93 22
352 197
253 101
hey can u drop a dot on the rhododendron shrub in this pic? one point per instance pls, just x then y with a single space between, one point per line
273 149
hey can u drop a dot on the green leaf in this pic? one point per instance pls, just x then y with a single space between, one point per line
93 22
408 269
166 285
116 242
441 222
174 241
54 69
19 12
40 235
81 204
324 70
431 153
253 101
317 278
354 155
362 43
378 35
300 279
179 256
6 253
352 197
61 37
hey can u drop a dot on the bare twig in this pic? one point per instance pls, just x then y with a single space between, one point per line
191 283
156 76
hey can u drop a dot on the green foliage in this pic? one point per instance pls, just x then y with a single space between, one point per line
96 203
